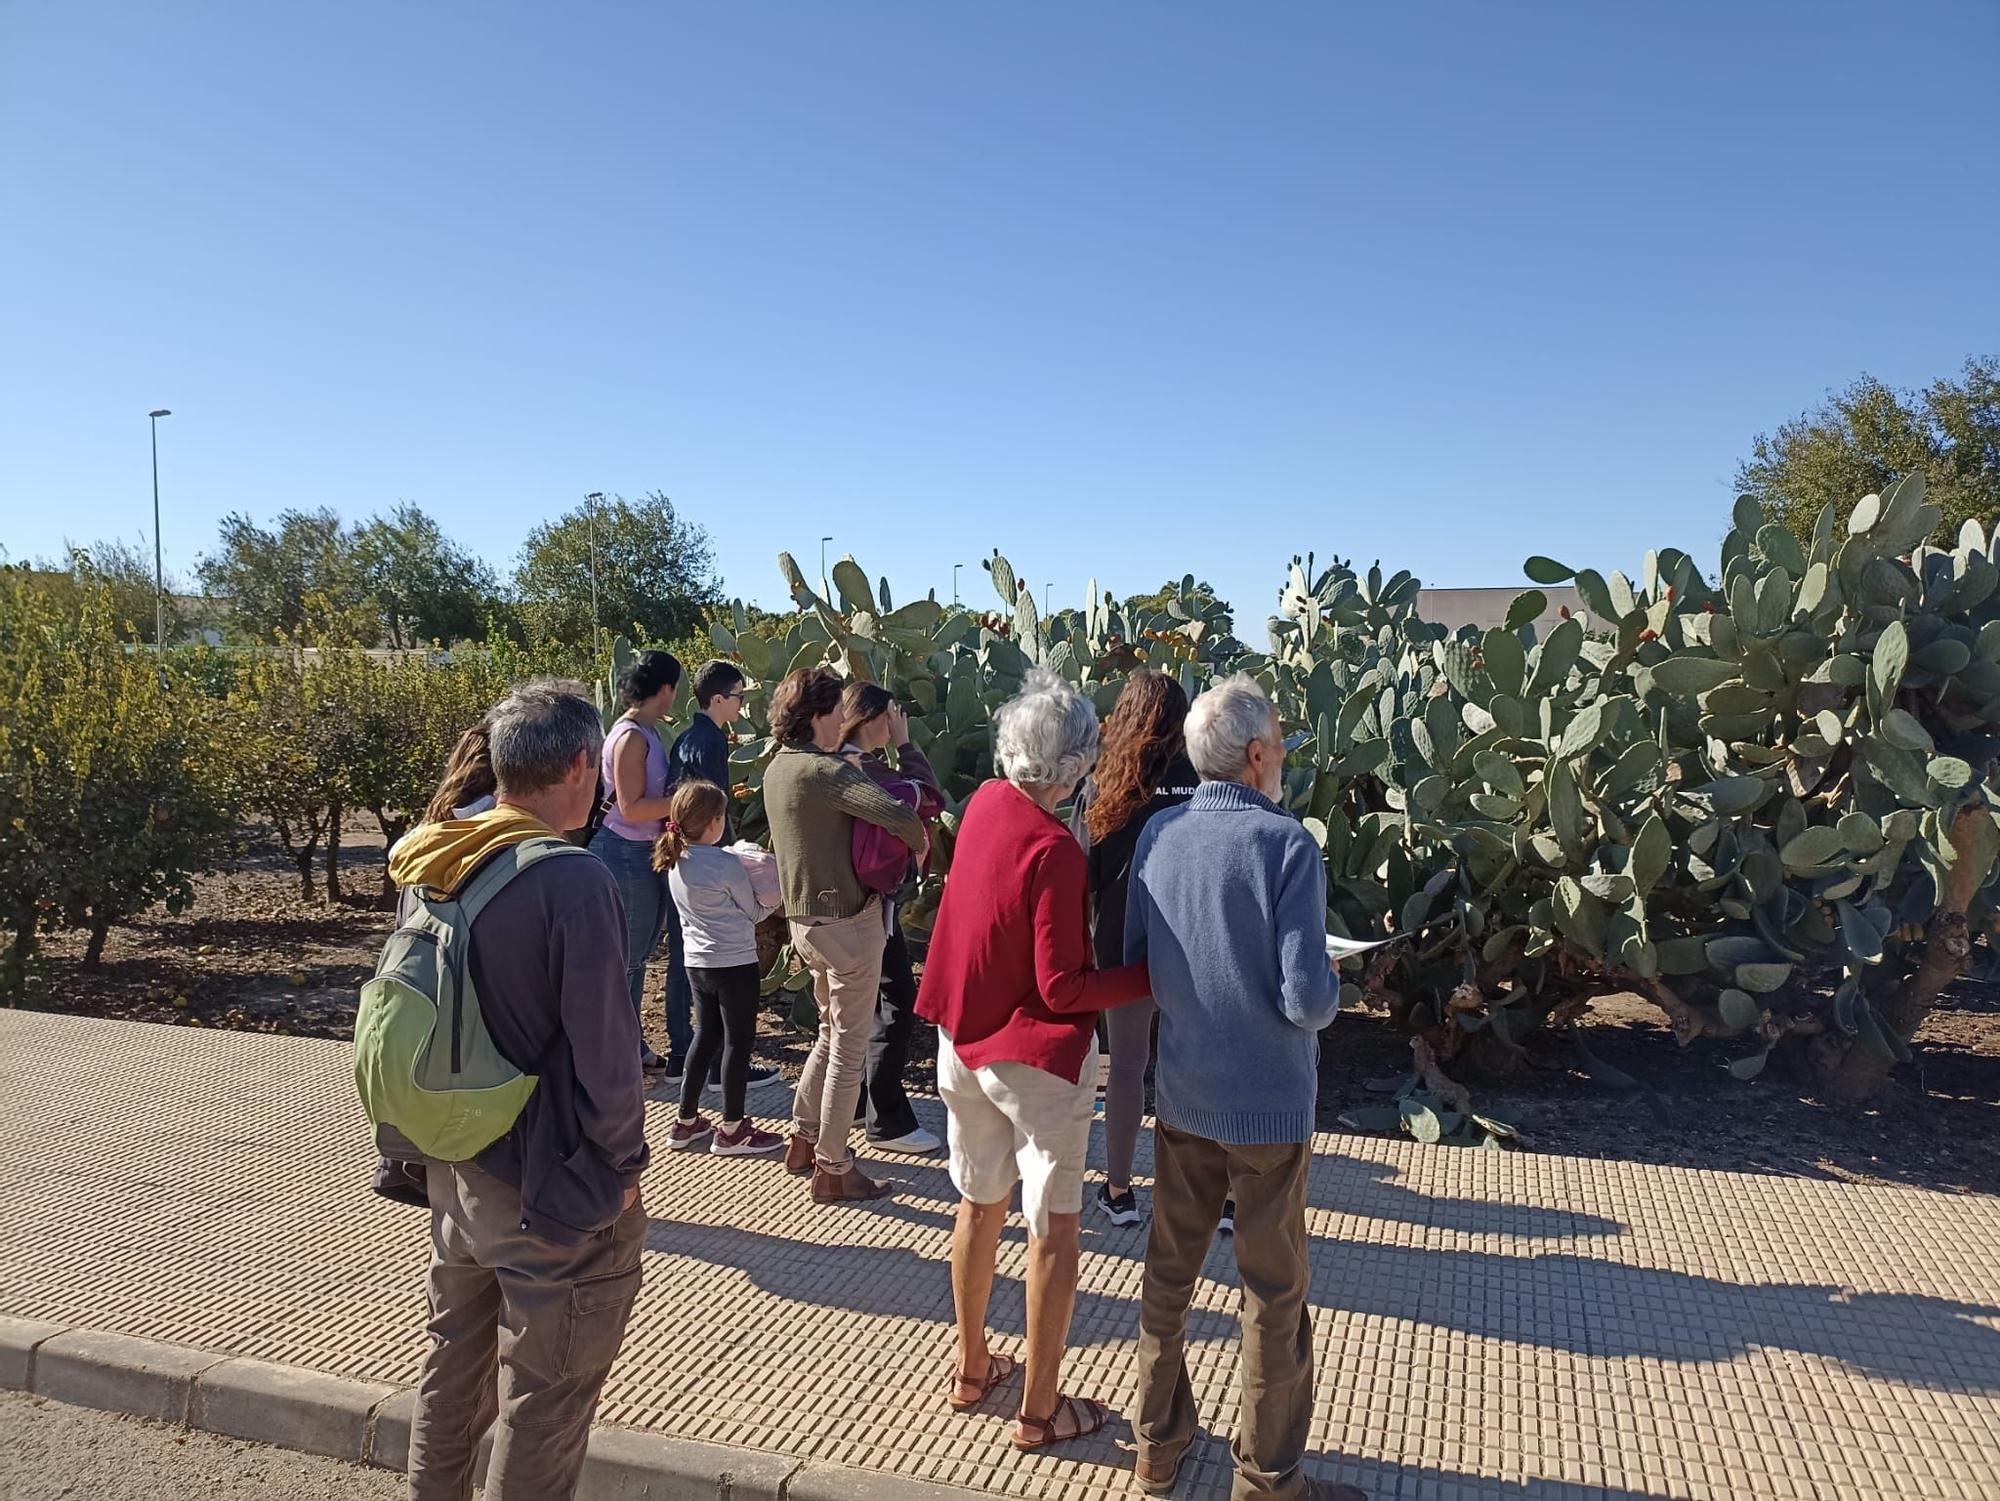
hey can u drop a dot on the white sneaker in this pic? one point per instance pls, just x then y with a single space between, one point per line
919 1143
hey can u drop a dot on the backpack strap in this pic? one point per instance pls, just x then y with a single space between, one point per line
493 875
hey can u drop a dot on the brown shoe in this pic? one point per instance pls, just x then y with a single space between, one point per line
1156 1477
850 1187
799 1155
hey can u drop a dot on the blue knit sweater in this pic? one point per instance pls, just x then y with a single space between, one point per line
1227 907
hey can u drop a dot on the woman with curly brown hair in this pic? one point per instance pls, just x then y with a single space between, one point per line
1144 768
812 797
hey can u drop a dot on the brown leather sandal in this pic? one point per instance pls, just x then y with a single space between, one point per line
1088 1414
1000 1370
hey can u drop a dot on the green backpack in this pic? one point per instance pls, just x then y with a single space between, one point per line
430 1076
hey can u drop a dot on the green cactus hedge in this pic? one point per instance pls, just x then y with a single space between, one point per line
1762 797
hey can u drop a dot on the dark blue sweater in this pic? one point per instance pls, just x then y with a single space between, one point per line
701 750
1227 907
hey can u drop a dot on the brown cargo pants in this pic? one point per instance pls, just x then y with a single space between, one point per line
522 1330
1192 1176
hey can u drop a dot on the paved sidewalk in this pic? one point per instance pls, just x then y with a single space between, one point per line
1519 1327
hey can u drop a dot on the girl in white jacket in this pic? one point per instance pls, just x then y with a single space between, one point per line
720 908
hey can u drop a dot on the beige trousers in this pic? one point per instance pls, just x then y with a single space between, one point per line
845 958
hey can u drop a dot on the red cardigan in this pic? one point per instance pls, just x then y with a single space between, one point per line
1009 976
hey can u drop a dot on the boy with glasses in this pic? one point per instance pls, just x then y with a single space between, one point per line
701 753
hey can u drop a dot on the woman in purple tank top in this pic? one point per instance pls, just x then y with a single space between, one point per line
634 768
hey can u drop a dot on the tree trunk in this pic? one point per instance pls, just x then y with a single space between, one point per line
93 951
14 973
1853 1074
333 855
393 828
304 856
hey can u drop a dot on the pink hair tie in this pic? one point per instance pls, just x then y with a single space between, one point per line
672 827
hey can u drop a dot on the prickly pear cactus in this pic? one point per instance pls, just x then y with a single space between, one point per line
1764 801
1763 797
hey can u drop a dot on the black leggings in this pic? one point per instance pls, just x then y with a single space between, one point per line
725 1022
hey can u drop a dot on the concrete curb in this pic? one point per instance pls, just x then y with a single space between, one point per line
369 1423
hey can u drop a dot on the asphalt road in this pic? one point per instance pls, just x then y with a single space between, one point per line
50 1451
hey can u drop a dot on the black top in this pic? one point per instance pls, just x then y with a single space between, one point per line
702 750
1111 862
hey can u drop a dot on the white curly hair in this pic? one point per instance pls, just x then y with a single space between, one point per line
1046 735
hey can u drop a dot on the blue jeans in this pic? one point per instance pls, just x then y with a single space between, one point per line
649 911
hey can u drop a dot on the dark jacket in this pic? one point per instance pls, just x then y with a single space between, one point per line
701 750
1110 863
548 959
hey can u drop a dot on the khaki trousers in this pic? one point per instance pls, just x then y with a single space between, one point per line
521 1330
1192 1176
845 958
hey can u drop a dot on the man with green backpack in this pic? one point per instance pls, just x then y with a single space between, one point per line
497 1043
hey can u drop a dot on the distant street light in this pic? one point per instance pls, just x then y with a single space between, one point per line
159 569
954 583
595 499
825 592
1045 601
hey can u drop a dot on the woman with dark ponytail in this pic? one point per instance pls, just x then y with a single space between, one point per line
634 772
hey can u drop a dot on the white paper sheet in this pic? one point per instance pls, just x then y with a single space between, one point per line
1347 948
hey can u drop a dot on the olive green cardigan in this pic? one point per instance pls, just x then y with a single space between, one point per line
812 799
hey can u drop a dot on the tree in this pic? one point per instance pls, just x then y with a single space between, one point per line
424 585
117 785
1863 437
275 579
1175 589
655 572
288 733
127 573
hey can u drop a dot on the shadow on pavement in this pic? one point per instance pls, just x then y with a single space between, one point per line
897 1282
1607 1310
1340 1184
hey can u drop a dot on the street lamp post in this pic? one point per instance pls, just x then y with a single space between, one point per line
1045 601
825 592
954 583
159 569
595 499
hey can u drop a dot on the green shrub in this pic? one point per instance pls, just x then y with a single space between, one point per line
116 784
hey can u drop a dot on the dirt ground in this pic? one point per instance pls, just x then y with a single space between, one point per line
251 955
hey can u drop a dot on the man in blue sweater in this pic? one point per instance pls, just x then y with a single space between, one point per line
1227 906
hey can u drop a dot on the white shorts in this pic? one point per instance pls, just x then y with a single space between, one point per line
1012 1122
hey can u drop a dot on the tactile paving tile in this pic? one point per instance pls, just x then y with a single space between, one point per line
1512 1327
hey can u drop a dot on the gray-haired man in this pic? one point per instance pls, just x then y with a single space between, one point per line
1227 904
535 1244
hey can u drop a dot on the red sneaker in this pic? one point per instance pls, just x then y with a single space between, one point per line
689 1136
745 1141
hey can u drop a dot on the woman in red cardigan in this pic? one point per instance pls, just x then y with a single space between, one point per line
1009 982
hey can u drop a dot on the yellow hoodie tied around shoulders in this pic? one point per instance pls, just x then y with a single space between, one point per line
441 855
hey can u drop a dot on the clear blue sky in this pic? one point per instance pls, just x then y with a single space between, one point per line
1123 290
